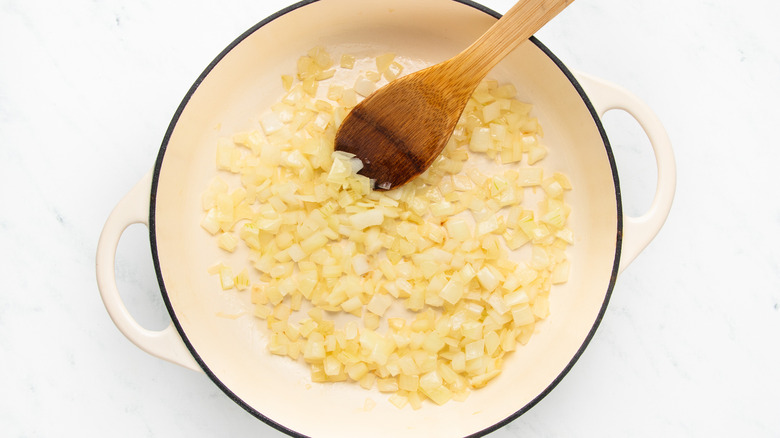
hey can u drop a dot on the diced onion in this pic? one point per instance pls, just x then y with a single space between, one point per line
364 86
438 246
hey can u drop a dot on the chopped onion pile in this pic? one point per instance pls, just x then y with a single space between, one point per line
425 269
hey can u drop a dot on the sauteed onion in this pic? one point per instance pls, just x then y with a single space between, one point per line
419 292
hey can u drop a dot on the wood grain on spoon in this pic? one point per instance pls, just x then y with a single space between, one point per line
399 130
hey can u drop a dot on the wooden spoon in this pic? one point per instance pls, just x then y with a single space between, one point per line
400 129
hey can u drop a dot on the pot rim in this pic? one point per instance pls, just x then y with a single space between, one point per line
153 233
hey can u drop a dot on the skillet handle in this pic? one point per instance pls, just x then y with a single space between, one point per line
165 344
638 231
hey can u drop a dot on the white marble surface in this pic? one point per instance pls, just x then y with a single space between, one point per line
689 346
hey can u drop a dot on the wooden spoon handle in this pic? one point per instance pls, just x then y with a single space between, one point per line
517 25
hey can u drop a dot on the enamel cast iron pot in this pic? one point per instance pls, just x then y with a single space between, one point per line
243 80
